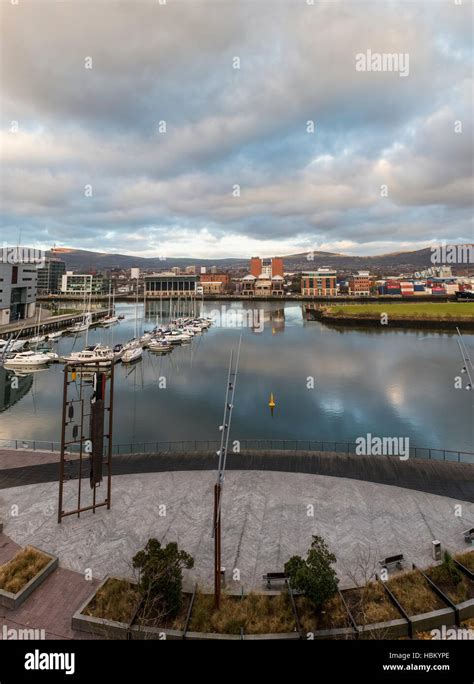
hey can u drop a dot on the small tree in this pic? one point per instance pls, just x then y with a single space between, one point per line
450 569
161 574
314 577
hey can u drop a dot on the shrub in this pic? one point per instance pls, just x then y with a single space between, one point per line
161 574
314 577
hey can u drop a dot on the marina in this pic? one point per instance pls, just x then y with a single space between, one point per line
299 379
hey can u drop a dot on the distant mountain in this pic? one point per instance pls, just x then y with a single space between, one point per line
393 263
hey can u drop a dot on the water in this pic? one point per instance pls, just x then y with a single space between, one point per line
383 382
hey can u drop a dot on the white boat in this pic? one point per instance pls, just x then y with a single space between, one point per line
78 328
30 360
146 339
37 339
159 346
132 354
97 354
11 345
109 320
132 344
176 337
118 351
54 335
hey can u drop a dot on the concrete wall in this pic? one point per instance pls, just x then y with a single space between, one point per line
454 480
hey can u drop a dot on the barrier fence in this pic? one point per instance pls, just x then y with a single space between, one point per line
209 445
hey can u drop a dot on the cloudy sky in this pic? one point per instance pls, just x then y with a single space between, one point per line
126 126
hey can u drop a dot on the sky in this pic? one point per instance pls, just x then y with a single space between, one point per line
231 128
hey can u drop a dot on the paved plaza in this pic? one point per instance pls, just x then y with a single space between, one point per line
267 517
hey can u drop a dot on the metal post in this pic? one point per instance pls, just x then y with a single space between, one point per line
222 453
217 547
63 438
111 421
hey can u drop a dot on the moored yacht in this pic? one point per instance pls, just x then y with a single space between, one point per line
30 359
132 354
94 354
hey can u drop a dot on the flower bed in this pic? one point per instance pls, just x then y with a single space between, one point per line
115 600
25 564
116 603
23 573
455 585
414 594
151 615
370 604
466 559
253 613
333 614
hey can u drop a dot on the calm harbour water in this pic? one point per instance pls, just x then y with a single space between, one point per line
383 382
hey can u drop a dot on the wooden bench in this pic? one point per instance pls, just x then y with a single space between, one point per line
469 535
390 561
274 577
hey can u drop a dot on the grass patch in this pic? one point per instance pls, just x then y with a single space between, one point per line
25 564
116 600
466 559
428 310
453 583
332 616
255 614
370 604
413 593
153 615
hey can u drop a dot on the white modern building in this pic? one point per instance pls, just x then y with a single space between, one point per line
18 284
83 283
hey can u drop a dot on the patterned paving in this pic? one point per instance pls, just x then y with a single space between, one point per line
267 518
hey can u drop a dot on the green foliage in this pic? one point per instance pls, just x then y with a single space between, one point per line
161 574
450 570
314 577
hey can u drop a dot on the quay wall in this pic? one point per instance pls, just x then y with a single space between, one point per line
444 478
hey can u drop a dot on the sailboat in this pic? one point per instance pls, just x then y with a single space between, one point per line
86 319
133 350
11 345
110 319
37 339
54 335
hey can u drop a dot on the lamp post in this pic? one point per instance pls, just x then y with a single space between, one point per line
467 367
222 453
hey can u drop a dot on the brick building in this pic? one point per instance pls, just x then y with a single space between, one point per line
267 267
320 283
360 284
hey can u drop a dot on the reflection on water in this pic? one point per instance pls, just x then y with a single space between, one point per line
388 383
13 387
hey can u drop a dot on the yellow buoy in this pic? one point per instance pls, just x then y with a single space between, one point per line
271 403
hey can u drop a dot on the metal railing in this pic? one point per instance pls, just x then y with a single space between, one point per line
208 445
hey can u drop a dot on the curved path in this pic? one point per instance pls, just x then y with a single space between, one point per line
455 480
267 518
